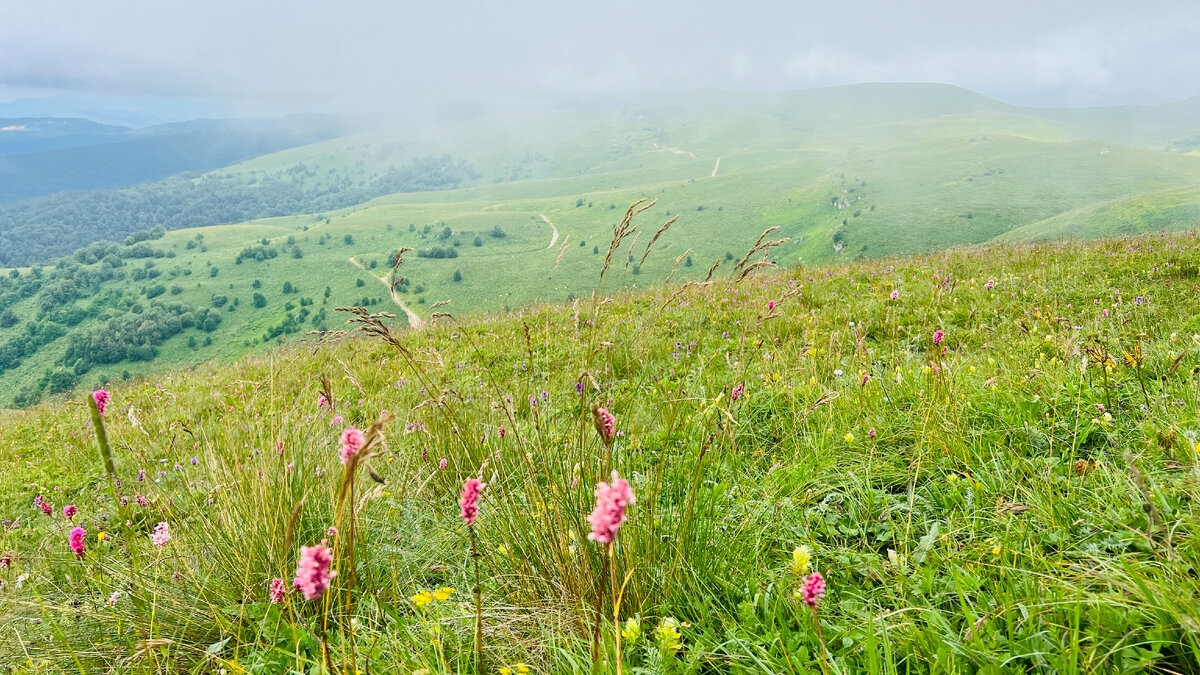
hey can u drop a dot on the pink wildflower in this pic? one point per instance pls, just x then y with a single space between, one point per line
991 284
312 572
938 336
331 532
112 599
502 432
336 420
770 305
69 511
278 591
46 508
352 442
141 501
101 398
322 401
813 590
442 463
737 392
895 295
605 423
161 535
469 500
611 502
871 433
77 537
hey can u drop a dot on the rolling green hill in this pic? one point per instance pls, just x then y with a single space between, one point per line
846 173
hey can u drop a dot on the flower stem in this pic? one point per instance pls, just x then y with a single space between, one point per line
478 601
612 581
821 639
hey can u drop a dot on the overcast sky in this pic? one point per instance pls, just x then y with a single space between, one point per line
262 56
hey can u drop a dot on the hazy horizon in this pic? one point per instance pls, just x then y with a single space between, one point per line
228 58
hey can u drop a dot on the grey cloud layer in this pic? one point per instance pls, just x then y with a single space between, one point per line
373 53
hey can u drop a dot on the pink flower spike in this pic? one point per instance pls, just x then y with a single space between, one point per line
312 572
278 591
76 542
606 424
469 500
161 535
331 532
442 463
611 502
938 336
352 442
814 590
895 295
69 511
101 398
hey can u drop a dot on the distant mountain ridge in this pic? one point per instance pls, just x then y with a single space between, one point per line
41 156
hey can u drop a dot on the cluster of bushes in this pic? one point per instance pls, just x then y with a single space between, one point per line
259 252
438 252
34 336
136 334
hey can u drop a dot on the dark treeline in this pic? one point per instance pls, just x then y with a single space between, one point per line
49 227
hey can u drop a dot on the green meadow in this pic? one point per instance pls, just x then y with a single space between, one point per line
987 454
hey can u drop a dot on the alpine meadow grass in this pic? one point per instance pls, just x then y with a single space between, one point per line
982 460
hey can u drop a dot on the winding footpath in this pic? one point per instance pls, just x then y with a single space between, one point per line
414 320
553 239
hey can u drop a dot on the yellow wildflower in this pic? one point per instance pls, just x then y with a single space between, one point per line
632 631
667 636
801 560
423 598
442 594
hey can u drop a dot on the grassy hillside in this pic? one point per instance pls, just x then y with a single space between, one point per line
847 173
988 453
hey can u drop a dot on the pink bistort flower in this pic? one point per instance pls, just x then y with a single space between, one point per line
469 500
938 336
606 424
813 590
312 572
101 398
352 442
76 542
278 591
611 502
69 511
161 534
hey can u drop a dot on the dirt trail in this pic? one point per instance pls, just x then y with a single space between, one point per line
673 151
715 167
414 320
553 239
